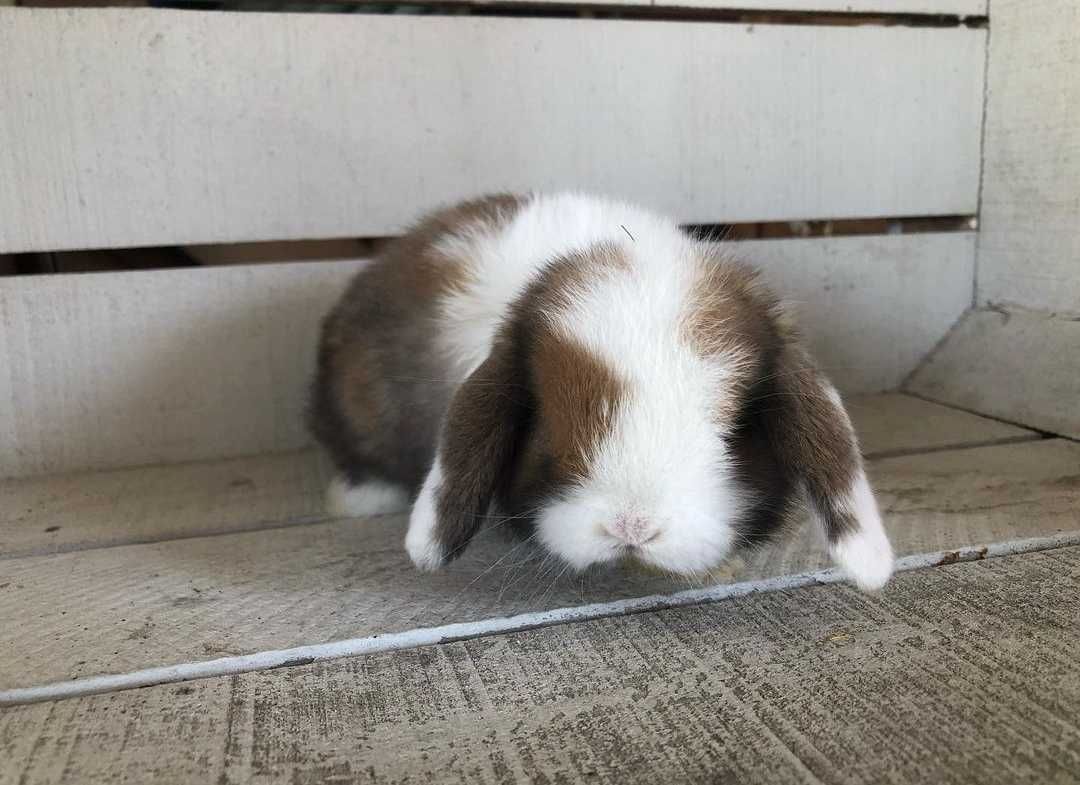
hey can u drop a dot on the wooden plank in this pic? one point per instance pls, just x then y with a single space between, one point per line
934 7
255 126
1029 247
873 306
947 677
894 424
957 7
56 514
137 368
119 609
123 369
1019 366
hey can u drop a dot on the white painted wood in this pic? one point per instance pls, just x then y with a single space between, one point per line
70 512
113 610
120 369
1020 366
136 127
1029 241
952 7
127 369
895 424
873 306
958 7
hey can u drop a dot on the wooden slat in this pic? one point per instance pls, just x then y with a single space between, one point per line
893 424
1019 366
957 7
964 674
123 608
935 7
55 514
122 369
1029 246
139 368
873 306
237 127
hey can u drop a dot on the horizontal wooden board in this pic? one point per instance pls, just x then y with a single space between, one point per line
873 306
119 609
1029 245
55 514
957 7
963 674
935 7
137 368
251 126
894 424
1020 366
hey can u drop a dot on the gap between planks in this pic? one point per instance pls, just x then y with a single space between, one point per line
374 644
848 15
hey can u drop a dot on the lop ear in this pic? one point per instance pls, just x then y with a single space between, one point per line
474 458
815 442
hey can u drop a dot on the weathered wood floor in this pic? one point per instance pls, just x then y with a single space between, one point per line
134 569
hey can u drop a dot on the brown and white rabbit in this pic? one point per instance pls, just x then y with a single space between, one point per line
586 365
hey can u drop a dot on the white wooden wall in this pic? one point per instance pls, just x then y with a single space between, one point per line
126 127
154 127
1020 360
1029 248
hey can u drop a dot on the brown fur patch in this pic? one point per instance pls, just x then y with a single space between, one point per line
730 318
579 396
381 387
813 436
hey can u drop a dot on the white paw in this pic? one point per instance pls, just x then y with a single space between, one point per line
866 557
373 497
864 554
420 543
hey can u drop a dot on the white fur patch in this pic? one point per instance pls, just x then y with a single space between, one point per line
865 555
373 497
420 543
503 260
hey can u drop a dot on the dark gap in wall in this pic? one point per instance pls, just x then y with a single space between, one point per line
557 9
219 254
844 227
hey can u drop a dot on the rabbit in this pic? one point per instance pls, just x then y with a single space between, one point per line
586 366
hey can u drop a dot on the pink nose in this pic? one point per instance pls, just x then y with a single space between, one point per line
633 529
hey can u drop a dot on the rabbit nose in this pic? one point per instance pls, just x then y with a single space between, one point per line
633 530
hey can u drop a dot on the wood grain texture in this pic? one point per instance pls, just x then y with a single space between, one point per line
122 369
1029 246
1021 366
113 610
56 514
953 7
956 675
252 126
129 369
893 424
959 7
872 306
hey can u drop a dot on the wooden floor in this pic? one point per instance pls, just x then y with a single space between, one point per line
179 567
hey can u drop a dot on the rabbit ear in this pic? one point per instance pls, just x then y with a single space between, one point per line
814 440
475 455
